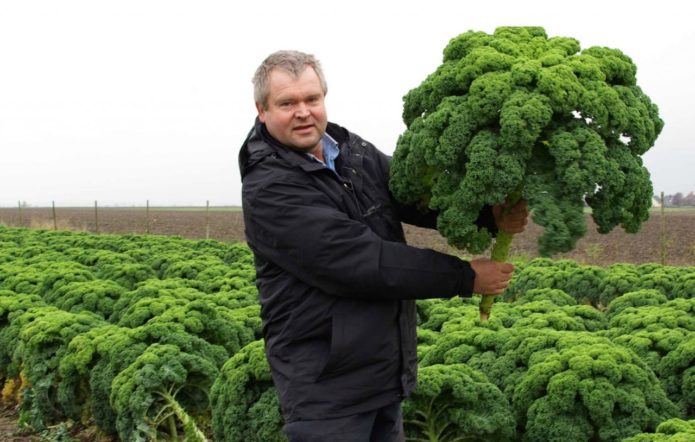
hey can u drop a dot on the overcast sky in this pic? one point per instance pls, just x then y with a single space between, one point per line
125 101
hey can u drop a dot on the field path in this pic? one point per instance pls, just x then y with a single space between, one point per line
8 428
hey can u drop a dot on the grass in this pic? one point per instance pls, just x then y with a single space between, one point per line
154 208
674 209
191 209
654 210
47 224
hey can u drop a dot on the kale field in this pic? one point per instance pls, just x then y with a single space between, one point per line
149 337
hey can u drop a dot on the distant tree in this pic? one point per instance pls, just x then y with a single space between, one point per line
689 199
677 199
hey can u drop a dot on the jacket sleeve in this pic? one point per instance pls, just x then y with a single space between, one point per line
300 229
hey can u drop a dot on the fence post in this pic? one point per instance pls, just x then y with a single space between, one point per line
96 216
21 216
147 217
207 219
55 223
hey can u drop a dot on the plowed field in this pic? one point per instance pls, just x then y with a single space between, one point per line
671 238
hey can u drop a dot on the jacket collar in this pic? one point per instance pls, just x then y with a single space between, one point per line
260 144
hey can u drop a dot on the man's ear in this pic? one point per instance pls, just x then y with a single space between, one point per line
261 112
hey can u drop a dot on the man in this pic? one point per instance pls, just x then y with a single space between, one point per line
337 282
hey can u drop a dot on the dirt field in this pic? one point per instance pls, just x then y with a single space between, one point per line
676 244
9 431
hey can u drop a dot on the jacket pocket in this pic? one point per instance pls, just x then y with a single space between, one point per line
364 336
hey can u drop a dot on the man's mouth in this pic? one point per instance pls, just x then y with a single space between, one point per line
304 128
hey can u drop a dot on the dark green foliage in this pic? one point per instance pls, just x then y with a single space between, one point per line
685 285
8 251
95 358
96 296
21 277
12 320
494 352
637 298
127 274
136 393
99 258
238 254
619 279
81 389
661 278
140 304
672 430
44 339
455 403
80 367
233 277
236 298
231 329
672 314
518 111
189 269
146 309
443 311
589 391
556 297
662 334
58 274
536 277
677 371
548 314
583 283
243 399
626 323
550 378
599 286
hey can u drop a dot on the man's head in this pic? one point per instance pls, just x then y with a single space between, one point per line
289 90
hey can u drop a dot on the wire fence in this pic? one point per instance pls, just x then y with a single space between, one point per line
668 237
195 222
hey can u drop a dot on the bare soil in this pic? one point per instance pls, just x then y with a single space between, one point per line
9 432
669 240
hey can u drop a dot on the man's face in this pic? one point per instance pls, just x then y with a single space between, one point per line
295 114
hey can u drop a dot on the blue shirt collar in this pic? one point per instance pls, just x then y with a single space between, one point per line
330 151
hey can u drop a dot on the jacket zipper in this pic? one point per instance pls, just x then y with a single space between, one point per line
347 184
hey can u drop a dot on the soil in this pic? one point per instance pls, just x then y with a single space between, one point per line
9 432
669 240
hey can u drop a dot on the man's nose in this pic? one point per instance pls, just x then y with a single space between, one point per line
302 111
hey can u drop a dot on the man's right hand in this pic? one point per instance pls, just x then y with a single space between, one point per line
491 277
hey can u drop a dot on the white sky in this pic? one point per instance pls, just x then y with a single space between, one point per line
129 100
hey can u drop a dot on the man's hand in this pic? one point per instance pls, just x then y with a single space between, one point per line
491 278
511 219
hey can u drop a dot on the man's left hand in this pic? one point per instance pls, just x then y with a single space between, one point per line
511 219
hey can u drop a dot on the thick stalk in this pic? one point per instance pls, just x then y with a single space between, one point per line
191 431
500 253
173 434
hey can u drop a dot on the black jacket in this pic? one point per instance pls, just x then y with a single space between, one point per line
335 277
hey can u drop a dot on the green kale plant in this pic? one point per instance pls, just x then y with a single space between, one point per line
517 114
